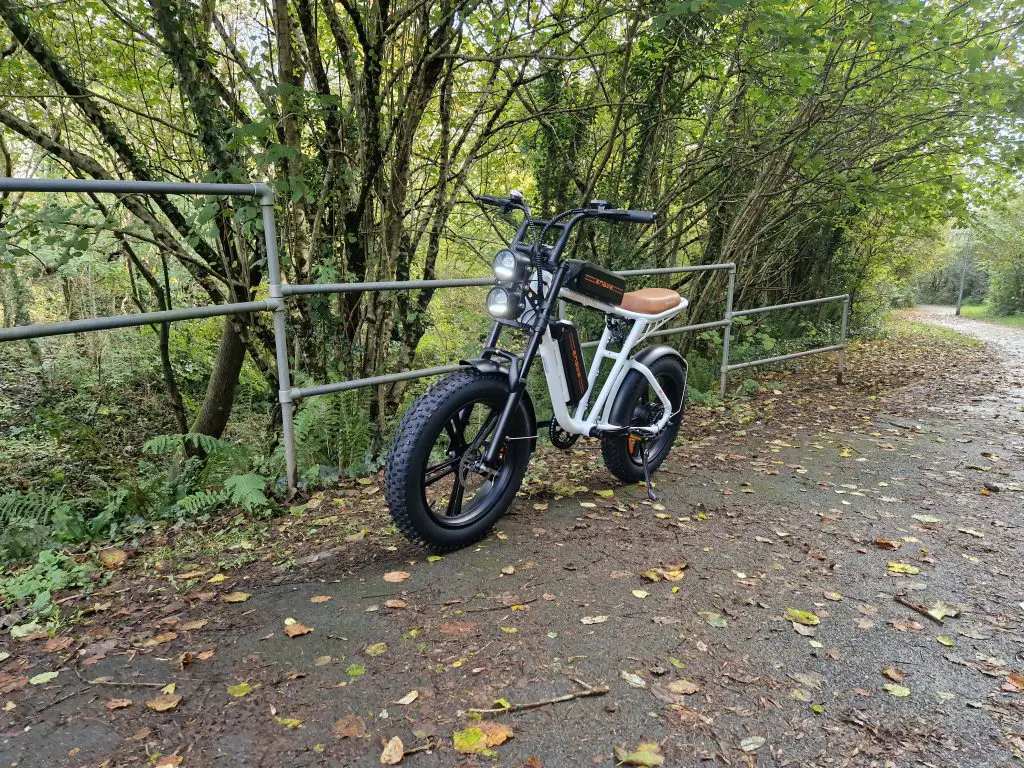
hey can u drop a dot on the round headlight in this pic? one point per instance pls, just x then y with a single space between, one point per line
503 303
505 266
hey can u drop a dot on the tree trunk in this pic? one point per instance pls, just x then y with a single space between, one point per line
220 390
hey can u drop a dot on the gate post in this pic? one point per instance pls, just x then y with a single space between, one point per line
841 357
284 385
727 332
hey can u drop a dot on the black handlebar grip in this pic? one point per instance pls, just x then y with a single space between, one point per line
642 217
491 200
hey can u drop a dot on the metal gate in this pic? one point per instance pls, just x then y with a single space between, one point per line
279 291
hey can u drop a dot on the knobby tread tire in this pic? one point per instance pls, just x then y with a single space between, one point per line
614 449
406 447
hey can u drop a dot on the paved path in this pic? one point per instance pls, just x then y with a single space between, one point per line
798 509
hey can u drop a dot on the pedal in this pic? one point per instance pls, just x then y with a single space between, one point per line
651 495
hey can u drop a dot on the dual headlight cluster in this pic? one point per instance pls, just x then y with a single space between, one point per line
506 302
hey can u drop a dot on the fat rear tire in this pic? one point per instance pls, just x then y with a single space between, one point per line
416 441
633 395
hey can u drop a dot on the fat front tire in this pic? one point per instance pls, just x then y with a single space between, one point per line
638 405
434 498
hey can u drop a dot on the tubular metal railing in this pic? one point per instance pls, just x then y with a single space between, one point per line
279 291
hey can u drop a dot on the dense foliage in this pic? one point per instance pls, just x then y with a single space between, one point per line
815 145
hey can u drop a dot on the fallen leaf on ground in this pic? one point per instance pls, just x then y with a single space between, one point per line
640 593
894 673
835 597
926 518
897 690
806 618
972 532
593 620
194 624
647 755
495 733
319 598
235 597
888 544
163 637
715 620
289 722
352 538
634 680
683 686
395 604
508 570
752 743
478 740
376 649
118 703
294 628
217 578
393 752
112 558
396 577
42 678
242 689
54 645
409 698
350 727
355 670
808 679
166 703
895 567
945 640
941 610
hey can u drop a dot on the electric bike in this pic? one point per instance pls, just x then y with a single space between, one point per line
461 449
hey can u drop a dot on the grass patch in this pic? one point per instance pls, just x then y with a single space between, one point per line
898 325
985 312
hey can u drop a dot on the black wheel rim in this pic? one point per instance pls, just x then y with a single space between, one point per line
648 410
454 494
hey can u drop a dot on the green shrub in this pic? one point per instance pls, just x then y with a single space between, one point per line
33 587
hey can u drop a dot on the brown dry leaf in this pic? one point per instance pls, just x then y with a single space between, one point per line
393 752
163 637
319 598
1015 681
350 727
894 673
508 570
205 655
458 628
396 577
57 644
888 544
194 624
495 733
683 686
397 604
294 628
166 703
235 597
903 625
112 558
118 703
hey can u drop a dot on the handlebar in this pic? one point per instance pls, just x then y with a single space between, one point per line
622 214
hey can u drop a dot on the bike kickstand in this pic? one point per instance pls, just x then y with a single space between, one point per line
651 495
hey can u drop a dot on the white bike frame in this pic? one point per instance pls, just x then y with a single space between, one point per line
584 422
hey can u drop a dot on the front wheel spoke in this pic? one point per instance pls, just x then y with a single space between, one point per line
485 430
455 500
432 474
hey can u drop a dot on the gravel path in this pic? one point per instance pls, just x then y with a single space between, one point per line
846 502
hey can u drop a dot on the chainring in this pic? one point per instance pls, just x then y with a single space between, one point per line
559 437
